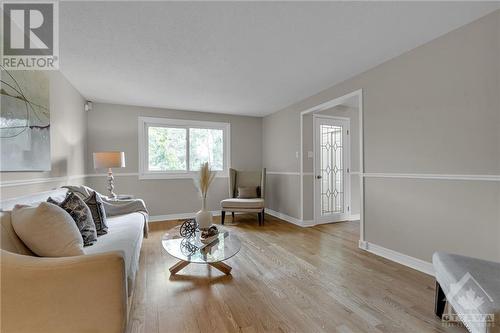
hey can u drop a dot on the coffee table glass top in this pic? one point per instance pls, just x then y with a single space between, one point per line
226 246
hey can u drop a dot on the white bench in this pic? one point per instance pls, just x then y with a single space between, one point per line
472 287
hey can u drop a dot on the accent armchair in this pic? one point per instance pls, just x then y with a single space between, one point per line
245 180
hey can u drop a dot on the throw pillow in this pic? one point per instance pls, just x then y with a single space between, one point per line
96 206
247 192
82 216
47 230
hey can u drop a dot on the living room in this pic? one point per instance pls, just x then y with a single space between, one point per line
250 166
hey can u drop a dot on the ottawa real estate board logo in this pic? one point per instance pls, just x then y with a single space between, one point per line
30 35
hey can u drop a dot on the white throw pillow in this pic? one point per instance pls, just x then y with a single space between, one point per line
47 230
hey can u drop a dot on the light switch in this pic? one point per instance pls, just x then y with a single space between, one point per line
296 154
310 154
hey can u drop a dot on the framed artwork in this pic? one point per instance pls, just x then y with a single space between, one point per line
24 121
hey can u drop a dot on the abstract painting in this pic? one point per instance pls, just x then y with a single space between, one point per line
24 121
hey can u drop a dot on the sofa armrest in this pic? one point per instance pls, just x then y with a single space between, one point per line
146 224
85 293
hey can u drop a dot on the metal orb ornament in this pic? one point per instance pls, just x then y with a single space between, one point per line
187 248
188 228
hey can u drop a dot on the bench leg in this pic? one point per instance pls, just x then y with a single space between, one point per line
439 301
232 214
223 215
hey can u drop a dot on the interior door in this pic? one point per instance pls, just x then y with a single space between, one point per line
331 169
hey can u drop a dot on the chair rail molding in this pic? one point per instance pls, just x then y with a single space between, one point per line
25 182
433 176
437 176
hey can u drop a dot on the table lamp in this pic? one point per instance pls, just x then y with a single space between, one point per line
109 159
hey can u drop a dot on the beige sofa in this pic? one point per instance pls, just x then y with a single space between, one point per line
88 293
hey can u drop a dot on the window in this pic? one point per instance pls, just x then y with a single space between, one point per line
175 148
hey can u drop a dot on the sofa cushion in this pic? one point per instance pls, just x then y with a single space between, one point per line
81 214
47 230
96 206
125 234
9 240
242 203
460 278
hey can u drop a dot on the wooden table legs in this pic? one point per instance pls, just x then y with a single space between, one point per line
178 266
224 268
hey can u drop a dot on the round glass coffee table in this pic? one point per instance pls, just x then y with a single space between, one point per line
222 248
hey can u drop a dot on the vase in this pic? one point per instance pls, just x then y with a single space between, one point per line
204 216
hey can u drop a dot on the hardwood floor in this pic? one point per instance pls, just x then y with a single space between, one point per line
284 279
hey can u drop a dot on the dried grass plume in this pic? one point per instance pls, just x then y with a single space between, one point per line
205 178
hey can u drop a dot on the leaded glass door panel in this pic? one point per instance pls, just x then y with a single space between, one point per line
331 169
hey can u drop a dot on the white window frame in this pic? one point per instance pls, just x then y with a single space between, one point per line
145 122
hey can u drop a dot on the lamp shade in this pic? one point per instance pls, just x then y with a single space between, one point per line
109 159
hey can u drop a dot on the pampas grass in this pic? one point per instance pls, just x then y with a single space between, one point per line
205 178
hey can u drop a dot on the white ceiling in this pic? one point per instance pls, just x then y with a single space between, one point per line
250 58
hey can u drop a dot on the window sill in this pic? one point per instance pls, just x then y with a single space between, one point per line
175 175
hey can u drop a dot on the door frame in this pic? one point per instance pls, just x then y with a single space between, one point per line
321 107
347 166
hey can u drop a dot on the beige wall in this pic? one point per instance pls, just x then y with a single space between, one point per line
114 127
433 110
68 130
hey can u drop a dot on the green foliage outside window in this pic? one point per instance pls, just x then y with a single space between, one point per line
167 148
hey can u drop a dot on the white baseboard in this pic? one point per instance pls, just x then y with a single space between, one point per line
303 223
308 223
285 217
400 258
354 217
181 216
362 244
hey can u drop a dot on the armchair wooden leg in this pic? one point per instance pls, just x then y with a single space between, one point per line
260 218
439 301
232 214
223 215
263 215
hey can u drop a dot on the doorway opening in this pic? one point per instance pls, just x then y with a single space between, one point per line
331 156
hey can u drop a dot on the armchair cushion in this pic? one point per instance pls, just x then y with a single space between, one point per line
247 192
235 203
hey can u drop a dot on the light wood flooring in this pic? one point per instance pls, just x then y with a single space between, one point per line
284 279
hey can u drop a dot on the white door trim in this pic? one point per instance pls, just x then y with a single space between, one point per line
318 219
321 107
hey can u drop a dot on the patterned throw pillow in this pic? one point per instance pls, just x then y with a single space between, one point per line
94 202
82 216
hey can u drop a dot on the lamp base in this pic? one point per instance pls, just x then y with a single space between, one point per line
111 185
